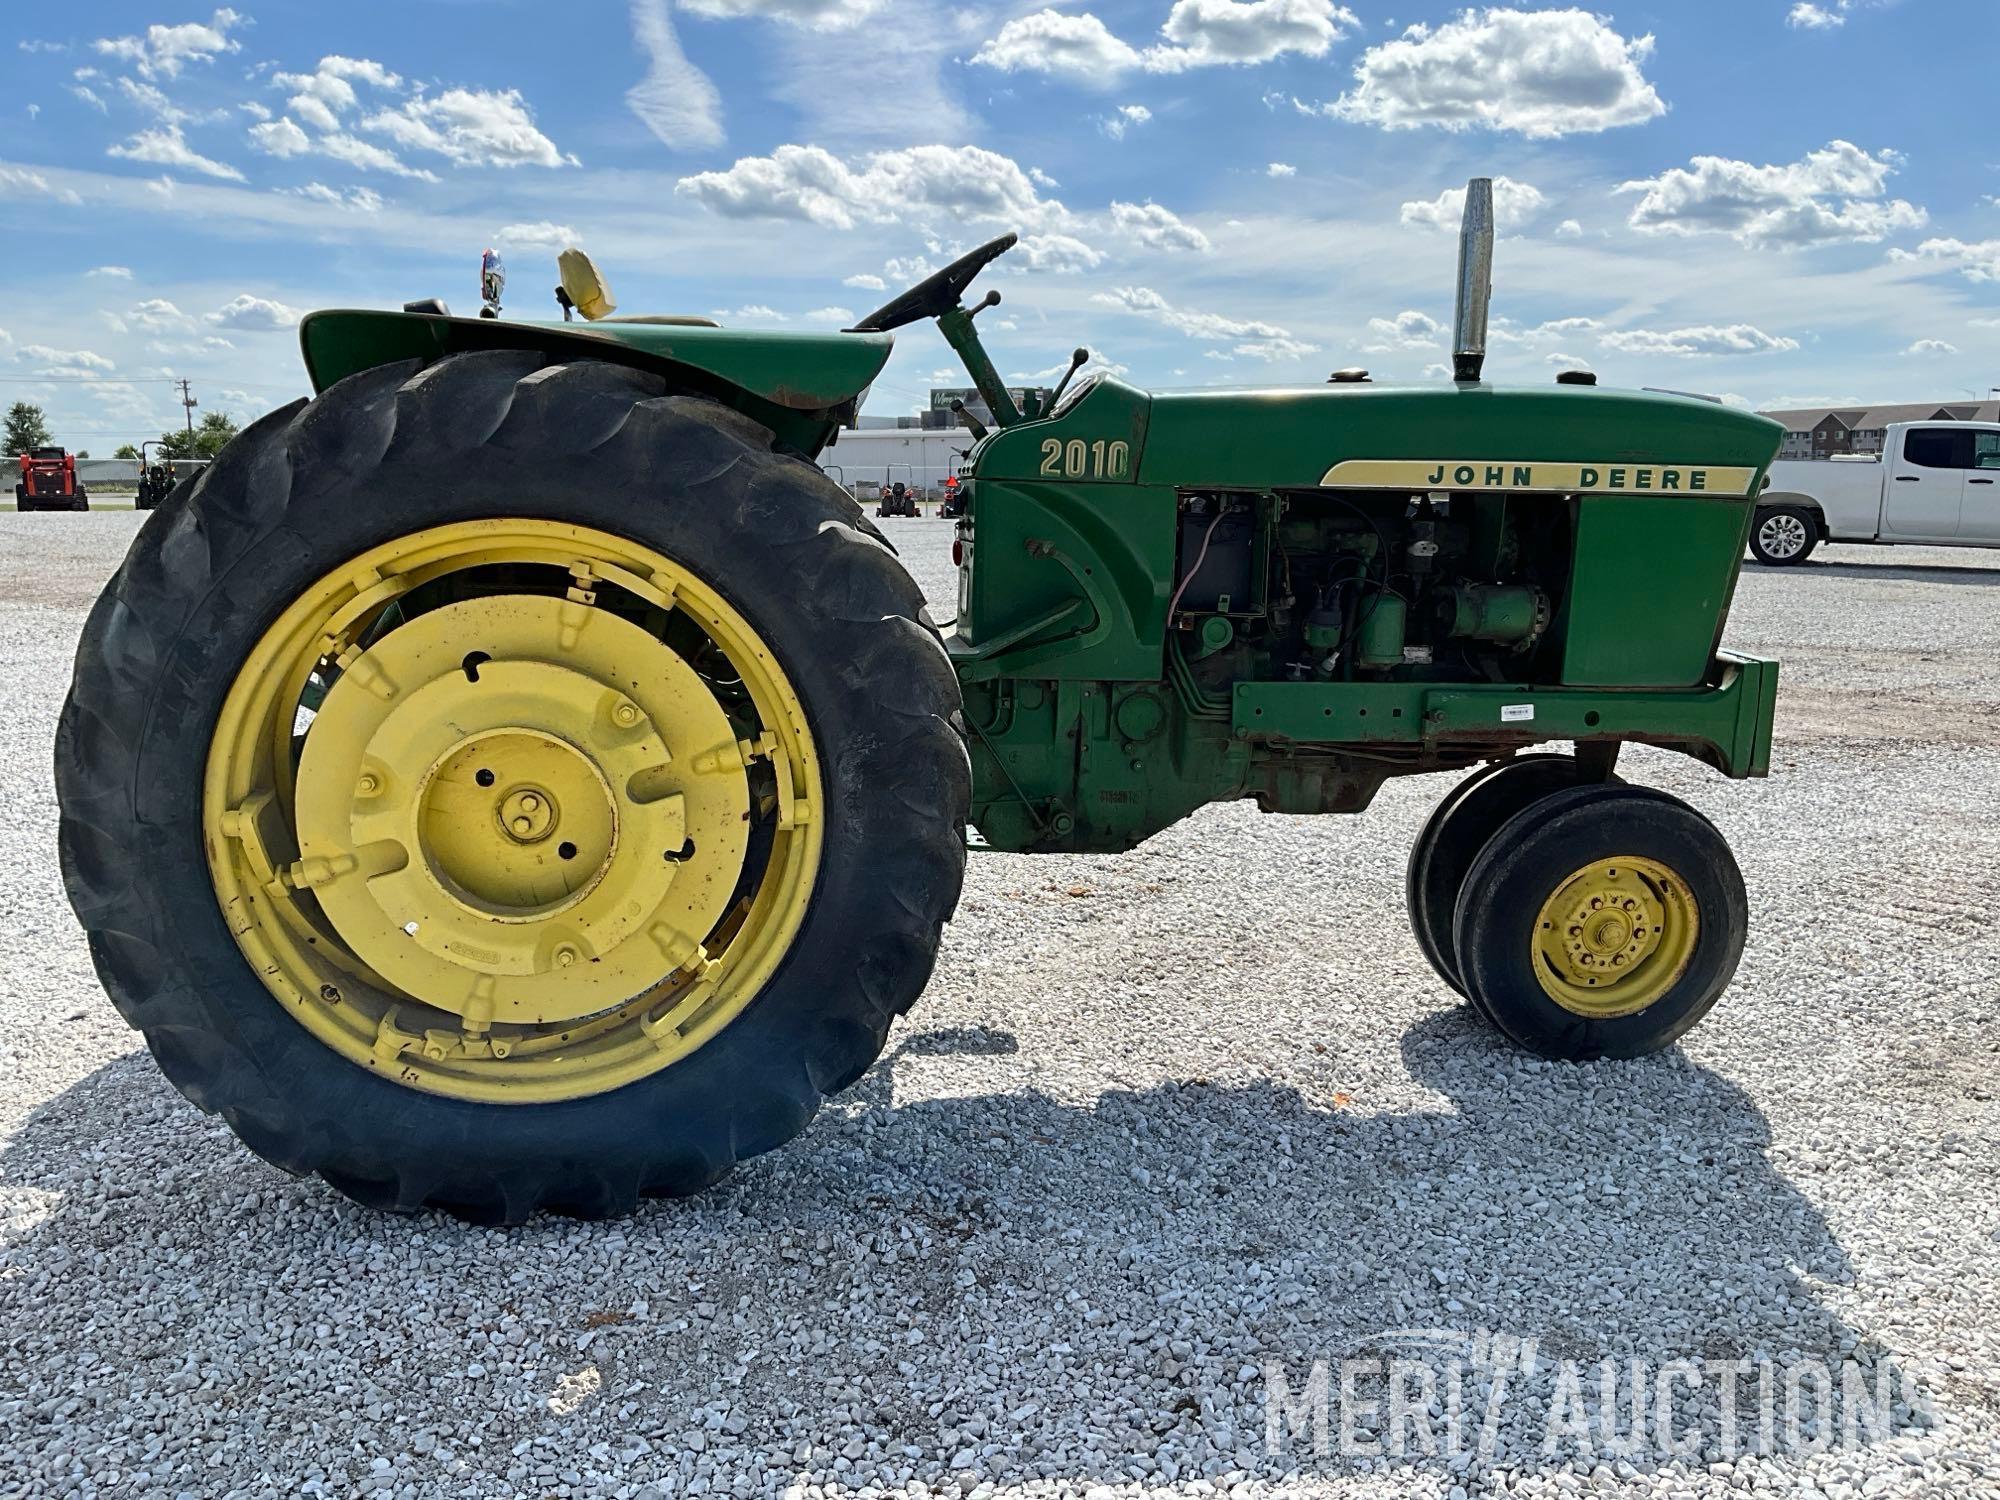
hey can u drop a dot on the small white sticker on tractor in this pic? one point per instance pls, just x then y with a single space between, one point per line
1516 713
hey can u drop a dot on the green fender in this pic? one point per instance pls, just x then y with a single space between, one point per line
800 385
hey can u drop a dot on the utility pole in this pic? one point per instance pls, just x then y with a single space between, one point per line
188 404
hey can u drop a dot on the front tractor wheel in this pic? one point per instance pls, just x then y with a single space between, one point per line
472 786
1603 921
1453 837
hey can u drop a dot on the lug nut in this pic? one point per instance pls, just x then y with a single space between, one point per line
530 802
625 714
566 955
368 785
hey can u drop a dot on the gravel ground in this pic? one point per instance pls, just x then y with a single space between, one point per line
1168 1127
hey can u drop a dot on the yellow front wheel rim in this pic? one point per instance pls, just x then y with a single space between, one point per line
513 811
1615 936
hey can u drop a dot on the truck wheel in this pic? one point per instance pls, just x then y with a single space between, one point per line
1604 921
1784 535
462 813
1455 833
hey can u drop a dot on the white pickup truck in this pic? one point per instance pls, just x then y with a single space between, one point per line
1937 484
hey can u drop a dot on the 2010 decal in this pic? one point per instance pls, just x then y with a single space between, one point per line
1077 459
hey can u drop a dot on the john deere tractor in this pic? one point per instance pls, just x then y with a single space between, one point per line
518 778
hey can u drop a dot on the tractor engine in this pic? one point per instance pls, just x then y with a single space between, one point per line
1316 586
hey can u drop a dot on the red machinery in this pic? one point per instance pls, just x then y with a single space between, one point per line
48 482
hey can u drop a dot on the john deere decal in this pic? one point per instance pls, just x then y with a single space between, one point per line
1548 478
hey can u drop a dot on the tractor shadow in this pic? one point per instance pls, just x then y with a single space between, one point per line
1084 1290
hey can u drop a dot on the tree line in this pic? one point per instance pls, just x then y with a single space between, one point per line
27 429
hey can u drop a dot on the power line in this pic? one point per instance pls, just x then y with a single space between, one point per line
88 379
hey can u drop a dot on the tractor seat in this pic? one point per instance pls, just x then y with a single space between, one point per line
587 290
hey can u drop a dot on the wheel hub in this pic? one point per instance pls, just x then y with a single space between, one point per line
1783 536
1615 936
526 781
487 811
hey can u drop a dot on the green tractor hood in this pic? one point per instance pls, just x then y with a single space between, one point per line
800 385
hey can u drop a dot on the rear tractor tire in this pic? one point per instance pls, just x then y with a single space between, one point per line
462 813
1601 921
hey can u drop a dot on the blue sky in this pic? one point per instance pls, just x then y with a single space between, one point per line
1774 201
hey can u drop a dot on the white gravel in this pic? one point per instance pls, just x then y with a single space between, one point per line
1162 1118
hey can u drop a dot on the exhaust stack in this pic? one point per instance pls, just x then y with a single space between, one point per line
1475 282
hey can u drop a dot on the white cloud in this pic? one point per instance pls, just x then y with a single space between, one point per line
840 317
368 156
1569 362
165 147
322 96
157 315
1931 346
1506 331
364 199
254 110
1514 203
1156 228
1809 17
1281 169
254 314
866 282
1096 364
540 235
1977 262
16 182
1541 73
1079 47
280 138
1830 196
815 15
1127 115
283 138
755 312
471 127
1407 330
922 184
165 50
1257 340
675 100
31 45
119 273
1060 253
1569 229
81 361
1205 33
1738 338
90 96
154 102
1198 34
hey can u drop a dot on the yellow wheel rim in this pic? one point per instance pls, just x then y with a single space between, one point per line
513 811
1615 936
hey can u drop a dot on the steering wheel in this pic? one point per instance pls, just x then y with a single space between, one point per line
936 294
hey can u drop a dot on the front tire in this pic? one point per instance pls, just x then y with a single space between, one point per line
445 511
1454 835
1783 536
1604 921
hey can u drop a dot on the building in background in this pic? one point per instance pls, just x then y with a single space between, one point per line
940 415
1830 431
